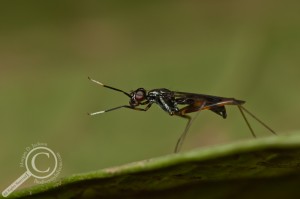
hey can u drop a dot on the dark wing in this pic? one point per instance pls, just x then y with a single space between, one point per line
184 98
192 97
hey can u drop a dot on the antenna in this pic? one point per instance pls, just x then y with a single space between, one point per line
116 89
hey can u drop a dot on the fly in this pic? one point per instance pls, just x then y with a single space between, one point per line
169 100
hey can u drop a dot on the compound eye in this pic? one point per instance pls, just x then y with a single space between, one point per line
139 95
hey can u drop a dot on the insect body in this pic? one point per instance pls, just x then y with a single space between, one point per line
170 101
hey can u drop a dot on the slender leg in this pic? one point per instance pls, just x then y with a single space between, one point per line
183 135
190 108
262 123
248 124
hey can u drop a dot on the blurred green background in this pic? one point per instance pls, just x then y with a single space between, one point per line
243 49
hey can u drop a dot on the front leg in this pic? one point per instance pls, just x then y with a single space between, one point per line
139 109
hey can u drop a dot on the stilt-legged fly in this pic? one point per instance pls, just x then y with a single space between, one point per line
169 101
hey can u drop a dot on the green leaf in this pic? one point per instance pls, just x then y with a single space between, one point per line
267 167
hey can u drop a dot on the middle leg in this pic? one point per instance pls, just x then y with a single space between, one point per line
181 113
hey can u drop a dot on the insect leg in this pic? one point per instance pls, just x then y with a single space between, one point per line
190 108
248 124
183 135
140 109
262 123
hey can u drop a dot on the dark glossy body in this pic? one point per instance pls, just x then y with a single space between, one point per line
169 101
180 104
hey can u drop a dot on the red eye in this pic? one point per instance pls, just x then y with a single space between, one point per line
139 95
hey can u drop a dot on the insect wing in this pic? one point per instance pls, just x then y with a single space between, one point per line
190 98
